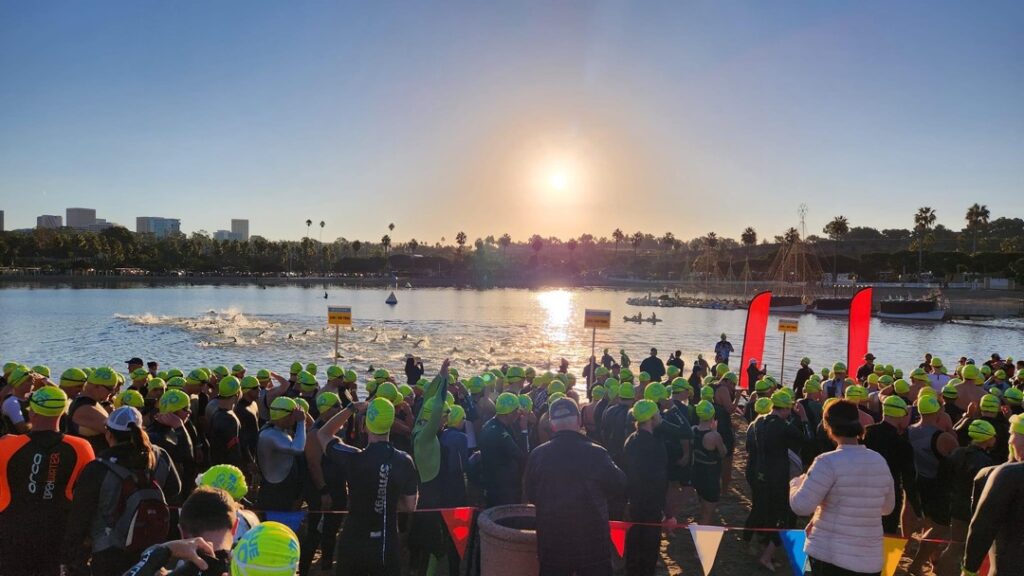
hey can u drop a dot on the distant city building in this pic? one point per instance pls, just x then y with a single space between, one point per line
49 221
1 220
99 225
81 218
223 235
159 227
240 230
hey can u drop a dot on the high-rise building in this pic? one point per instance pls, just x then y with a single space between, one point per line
1 220
159 227
49 221
240 230
223 235
81 218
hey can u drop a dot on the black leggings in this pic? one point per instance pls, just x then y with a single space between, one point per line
819 568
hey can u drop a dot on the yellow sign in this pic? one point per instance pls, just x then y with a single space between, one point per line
789 326
339 315
597 318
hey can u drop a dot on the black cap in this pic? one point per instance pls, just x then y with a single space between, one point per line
152 363
134 361
563 408
869 356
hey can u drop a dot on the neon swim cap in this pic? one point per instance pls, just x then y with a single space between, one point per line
307 382
894 406
812 386
999 375
156 384
950 391
708 380
625 375
197 376
404 391
1013 396
707 393
326 401
449 399
552 398
389 392
989 403
506 403
48 401
705 410
980 431
311 368
221 371
611 387
270 549
762 385
515 374
526 403
176 382
873 379
250 383
139 374
226 477
371 387
9 367
986 370
656 392
457 416
901 386
1020 374
41 370
644 377
671 372
295 368
856 393
175 372
644 410
731 377
936 362
805 361
971 372
381 375
101 377
897 373
839 367
928 405
763 405
928 391
886 380
73 377
228 387
721 369
597 392
532 373
282 407
681 384
263 375
475 385
453 375
302 403
781 399
129 398
350 376
335 372
995 391
237 369
173 400
626 391
1016 424
380 415
556 386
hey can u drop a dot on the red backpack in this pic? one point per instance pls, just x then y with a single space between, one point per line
140 514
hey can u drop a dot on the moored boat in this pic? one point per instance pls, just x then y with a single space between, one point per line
925 309
831 306
787 304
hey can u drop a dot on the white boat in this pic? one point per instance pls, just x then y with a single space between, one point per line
392 300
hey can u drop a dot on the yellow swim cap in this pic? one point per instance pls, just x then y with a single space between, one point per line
270 549
980 431
506 403
656 392
380 415
73 377
989 403
705 410
129 398
173 400
281 407
48 401
894 406
928 404
763 406
644 410
327 400
226 477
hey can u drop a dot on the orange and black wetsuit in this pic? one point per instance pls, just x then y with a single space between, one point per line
38 472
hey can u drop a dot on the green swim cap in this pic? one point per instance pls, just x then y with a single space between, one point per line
625 375
42 370
597 392
886 380
1013 396
901 386
388 391
263 375
48 401
919 374
721 369
894 406
9 367
825 373
999 375
404 391
971 372
327 400
250 383
950 391
449 399
812 386
989 403
731 377
221 371
129 398
334 372
270 549
506 403
453 375
681 384
175 372
762 385
156 384
996 392
371 386
295 368
626 391
311 368
782 400
307 382
515 374
475 385
878 369
102 377
237 369
282 407
763 406
302 403
176 382
856 393
839 367
197 376
556 387
611 386
705 410
422 383
1020 374
381 375
173 400
556 396
644 377
644 410
526 403
380 415
656 392
350 376
873 379
457 416
707 393
986 370
928 404
805 361
72 377
228 387
928 391
530 372
226 477
139 374
1016 424
980 431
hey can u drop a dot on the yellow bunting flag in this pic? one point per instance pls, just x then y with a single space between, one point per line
892 551
706 540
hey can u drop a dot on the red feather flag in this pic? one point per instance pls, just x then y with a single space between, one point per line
860 330
753 336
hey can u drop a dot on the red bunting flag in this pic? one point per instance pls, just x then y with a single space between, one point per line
753 336
459 520
983 571
859 330
618 533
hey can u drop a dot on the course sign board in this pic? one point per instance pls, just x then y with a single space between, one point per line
339 315
789 325
597 318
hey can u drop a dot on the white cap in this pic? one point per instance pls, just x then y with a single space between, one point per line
120 419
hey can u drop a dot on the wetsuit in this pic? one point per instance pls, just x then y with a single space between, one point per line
801 377
248 432
769 441
429 536
178 445
723 416
749 414
675 431
899 456
376 478
932 484
998 509
599 410
615 427
813 411
38 472
646 468
278 455
98 441
954 411
964 464
707 468
223 430
502 459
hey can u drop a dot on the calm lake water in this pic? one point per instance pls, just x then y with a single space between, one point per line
189 326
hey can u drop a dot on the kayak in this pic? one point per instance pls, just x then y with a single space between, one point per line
640 320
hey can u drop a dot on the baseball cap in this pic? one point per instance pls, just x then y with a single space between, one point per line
121 419
135 360
563 408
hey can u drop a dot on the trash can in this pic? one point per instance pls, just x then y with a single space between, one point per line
508 541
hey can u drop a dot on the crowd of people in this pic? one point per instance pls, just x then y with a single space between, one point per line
219 470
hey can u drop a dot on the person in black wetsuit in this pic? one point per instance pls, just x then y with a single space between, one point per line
646 466
676 432
247 412
323 489
889 439
224 427
34 502
769 441
168 431
708 451
802 375
381 482
616 424
503 452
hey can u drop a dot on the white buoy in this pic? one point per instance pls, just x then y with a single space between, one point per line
392 300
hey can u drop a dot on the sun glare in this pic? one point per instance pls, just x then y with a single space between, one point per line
558 180
557 306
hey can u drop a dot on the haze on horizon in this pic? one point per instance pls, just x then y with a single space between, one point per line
529 117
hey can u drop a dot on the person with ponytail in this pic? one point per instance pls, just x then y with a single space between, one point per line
132 480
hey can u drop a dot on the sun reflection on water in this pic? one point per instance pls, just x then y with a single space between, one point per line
557 305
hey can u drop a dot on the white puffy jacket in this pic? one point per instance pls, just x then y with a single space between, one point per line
848 491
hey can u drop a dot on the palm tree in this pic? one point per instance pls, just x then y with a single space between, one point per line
505 241
923 222
749 238
385 241
637 239
391 227
668 240
977 220
571 245
791 236
356 247
460 239
837 229
536 243
619 237
413 245
308 224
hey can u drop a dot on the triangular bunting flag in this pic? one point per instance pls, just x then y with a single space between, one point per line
892 551
617 530
793 542
459 520
983 571
706 539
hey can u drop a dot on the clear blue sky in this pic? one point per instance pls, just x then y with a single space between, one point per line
447 116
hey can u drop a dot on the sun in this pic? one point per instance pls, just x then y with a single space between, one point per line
558 180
